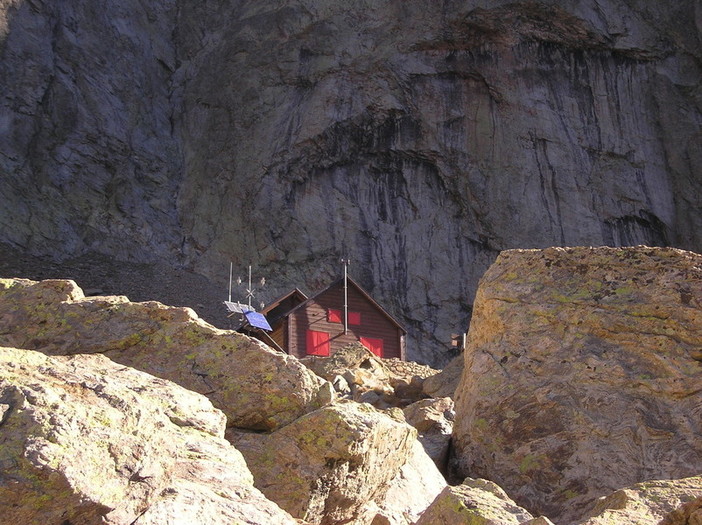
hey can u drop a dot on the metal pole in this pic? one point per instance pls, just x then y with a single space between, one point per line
231 267
346 295
248 291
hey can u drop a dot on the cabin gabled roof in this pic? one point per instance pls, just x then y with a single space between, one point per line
296 296
296 293
360 290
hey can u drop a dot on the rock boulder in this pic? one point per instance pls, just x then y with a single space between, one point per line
659 502
326 466
362 376
444 383
433 419
415 486
85 440
475 501
582 374
256 387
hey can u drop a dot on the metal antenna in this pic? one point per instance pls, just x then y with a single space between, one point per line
231 268
250 291
346 263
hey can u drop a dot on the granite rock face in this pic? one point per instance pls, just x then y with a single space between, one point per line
433 419
326 466
89 155
659 502
256 387
417 139
475 501
415 486
85 440
582 374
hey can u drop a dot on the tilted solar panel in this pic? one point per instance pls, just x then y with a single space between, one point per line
258 320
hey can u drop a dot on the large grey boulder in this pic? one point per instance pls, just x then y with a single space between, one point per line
327 466
582 374
255 386
656 502
85 440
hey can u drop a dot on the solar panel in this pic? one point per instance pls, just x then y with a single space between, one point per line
257 320
236 308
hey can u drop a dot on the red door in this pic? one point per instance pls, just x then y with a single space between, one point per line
374 345
317 343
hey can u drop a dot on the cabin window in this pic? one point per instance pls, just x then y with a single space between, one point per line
337 316
317 343
374 345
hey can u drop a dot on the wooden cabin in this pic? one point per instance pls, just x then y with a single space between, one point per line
305 326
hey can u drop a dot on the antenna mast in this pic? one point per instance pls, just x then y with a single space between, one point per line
346 263
250 292
231 268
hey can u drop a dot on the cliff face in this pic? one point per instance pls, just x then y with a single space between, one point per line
417 138
89 156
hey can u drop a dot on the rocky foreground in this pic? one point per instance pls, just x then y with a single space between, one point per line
579 403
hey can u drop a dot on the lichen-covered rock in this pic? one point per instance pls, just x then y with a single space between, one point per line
658 502
688 514
327 465
350 357
256 387
444 383
366 378
582 374
85 440
474 502
433 419
415 486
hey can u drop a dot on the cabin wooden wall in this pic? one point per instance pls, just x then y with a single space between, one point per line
313 316
280 332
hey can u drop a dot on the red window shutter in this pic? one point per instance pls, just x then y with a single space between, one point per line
334 316
374 345
355 318
317 343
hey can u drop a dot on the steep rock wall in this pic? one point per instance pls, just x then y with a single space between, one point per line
417 138
422 138
89 156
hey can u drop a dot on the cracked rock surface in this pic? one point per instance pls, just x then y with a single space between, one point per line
86 440
583 374
256 387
